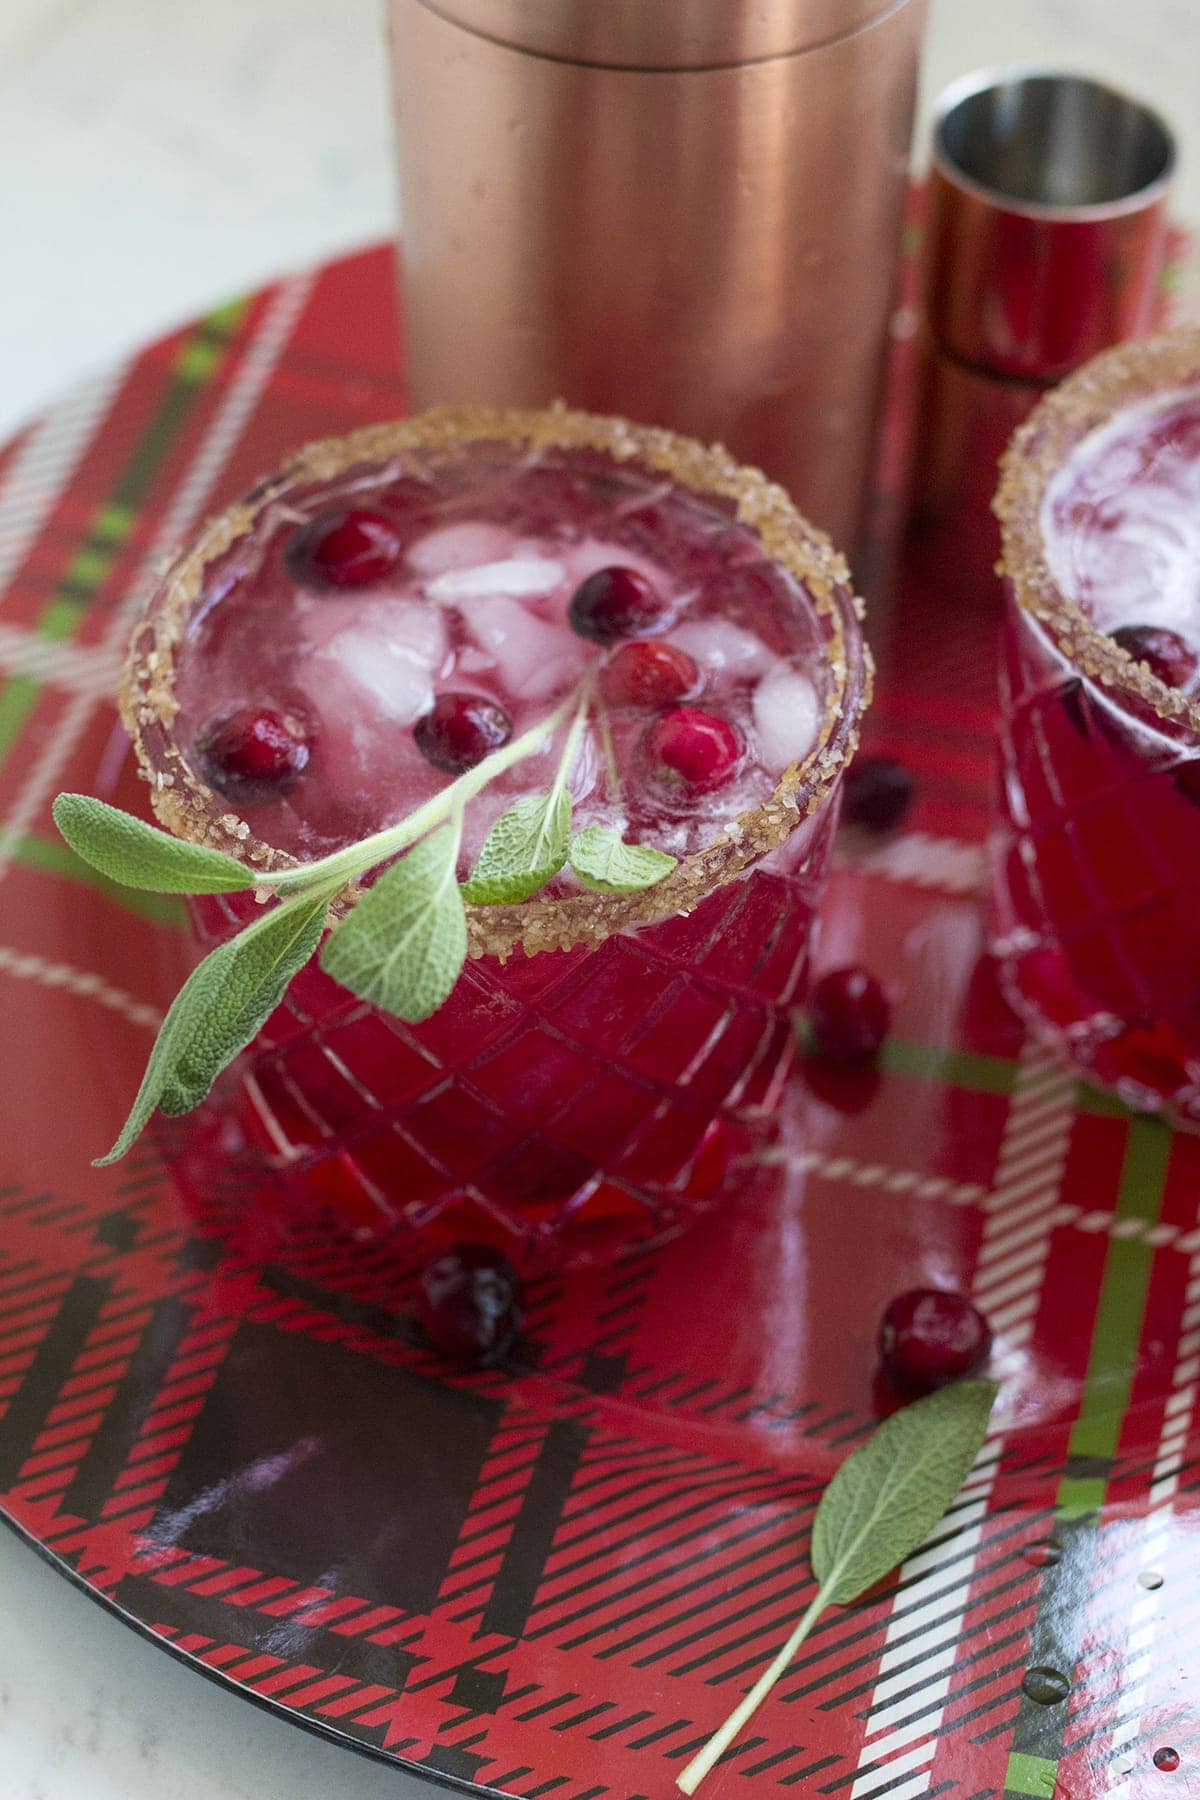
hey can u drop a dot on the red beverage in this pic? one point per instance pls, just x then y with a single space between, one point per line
1097 846
394 610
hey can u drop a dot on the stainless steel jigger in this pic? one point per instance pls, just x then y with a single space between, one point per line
1045 235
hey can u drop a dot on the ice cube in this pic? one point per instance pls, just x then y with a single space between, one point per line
520 577
533 658
462 546
718 645
591 553
410 625
786 715
391 653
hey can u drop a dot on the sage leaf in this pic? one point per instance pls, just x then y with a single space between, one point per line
405 942
608 866
880 1506
219 1008
886 1498
525 849
138 855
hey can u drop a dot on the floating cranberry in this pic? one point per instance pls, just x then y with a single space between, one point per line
849 1014
459 730
648 675
1164 652
255 754
686 751
1167 1759
613 604
344 549
877 792
469 1305
929 1337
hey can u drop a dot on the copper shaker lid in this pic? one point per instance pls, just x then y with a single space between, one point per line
663 34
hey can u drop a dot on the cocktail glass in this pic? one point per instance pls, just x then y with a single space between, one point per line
598 1067
1096 887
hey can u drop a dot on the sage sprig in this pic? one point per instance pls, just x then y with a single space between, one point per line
402 946
602 862
880 1506
219 1008
140 856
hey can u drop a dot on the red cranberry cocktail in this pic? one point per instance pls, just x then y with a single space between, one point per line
1097 865
641 615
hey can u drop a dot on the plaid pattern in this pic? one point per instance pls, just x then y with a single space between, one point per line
560 1579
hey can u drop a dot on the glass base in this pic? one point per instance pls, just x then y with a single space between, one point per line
321 1219
1145 1066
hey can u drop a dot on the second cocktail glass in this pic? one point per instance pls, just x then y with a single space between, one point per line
1097 843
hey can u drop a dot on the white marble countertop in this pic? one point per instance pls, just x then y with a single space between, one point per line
155 158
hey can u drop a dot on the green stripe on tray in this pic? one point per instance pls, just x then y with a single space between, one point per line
112 521
53 857
17 696
1119 1315
1099 1104
1057 1634
956 1068
982 1074
1030 1775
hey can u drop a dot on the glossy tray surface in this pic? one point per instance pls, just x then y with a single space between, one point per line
560 1578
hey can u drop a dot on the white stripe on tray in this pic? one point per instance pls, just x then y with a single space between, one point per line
42 468
921 860
78 668
245 391
1040 1113
1146 1614
26 966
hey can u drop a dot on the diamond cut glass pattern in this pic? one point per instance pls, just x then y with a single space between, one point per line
1097 875
571 1101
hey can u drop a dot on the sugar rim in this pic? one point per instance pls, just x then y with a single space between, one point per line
190 809
1035 454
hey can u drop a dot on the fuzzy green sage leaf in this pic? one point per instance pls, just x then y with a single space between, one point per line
220 1007
404 944
138 855
524 849
880 1506
886 1499
607 865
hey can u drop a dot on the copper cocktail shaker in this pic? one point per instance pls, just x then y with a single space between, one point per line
688 211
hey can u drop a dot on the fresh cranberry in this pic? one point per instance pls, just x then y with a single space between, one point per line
849 1014
848 1088
690 752
349 549
1165 653
1074 701
648 676
613 604
878 792
1186 777
469 1304
254 754
459 730
929 1338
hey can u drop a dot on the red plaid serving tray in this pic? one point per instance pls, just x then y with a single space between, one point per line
560 1580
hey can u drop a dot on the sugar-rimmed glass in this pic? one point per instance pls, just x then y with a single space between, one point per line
1096 870
592 1075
